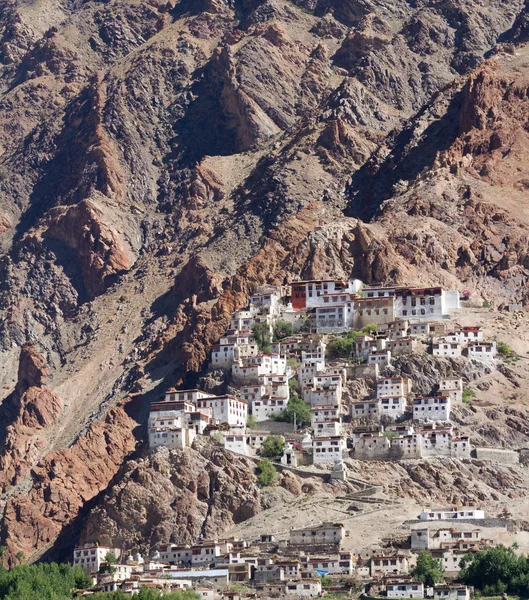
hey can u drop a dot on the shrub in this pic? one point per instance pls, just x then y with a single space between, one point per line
487 304
468 395
267 473
503 349
251 422
369 328
273 446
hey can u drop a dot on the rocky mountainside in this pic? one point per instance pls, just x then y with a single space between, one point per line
159 159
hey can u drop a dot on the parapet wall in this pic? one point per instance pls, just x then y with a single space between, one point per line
506 457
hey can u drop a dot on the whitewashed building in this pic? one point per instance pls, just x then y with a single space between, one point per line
405 589
482 351
446 349
432 409
90 557
328 450
392 406
263 409
453 388
369 409
389 387
226 409
449 514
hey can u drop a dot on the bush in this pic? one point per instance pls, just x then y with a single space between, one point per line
487 304
468 395
503 349
251 422
147 594
282 329
267 473
273 446
369 328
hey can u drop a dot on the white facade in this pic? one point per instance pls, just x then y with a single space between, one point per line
432 409
412 589
91 557
226 409
326 412
334 318
327 429
392 406
171 437
445 349
266 407
306 588
380 358
342 564
328 450
331 394
368 409
386 565
482 351
448 515
308 370
451 592
389 387
236 442
453 388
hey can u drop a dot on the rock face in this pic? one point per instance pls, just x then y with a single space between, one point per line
31 409
175 496
179 154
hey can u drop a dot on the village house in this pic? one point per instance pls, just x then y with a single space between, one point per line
306 588
451 592
420 329
327 429
453 388
432 409
482 351
265 408
226 409
466 335
334 319
327 450
308 370
320 413
375 311
369 446
382 358
364 344
449 514
327 394
384 565
405 589
190 396
250 368
407 446
423 538
391 387
441 347
236 442
90 557
171 437
392 407
308 294
323 535
402 346
368 409
243 319
341 564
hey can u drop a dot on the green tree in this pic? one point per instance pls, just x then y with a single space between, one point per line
261 334
282 329
20 557
251 422
495 571
267 473
369 328
297 410
3 550
428 569
273 446
111 558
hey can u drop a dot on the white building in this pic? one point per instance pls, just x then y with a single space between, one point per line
448 514
308 370
453 388
451 592
327 429
379 357
252 367
424 538
306 588
236 442
329 394
466 335
408 589
445 349
190 396
341 564
390 387
91 557
333 317
328 450
308 294
263 409
432 409
385 565
482 351
226 409
392 406
369 409
321 413
171 437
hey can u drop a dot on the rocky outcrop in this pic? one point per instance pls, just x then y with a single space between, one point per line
175 496
100 250
64 482
31 409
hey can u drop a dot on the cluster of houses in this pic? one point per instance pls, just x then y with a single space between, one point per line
393 423
293 563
